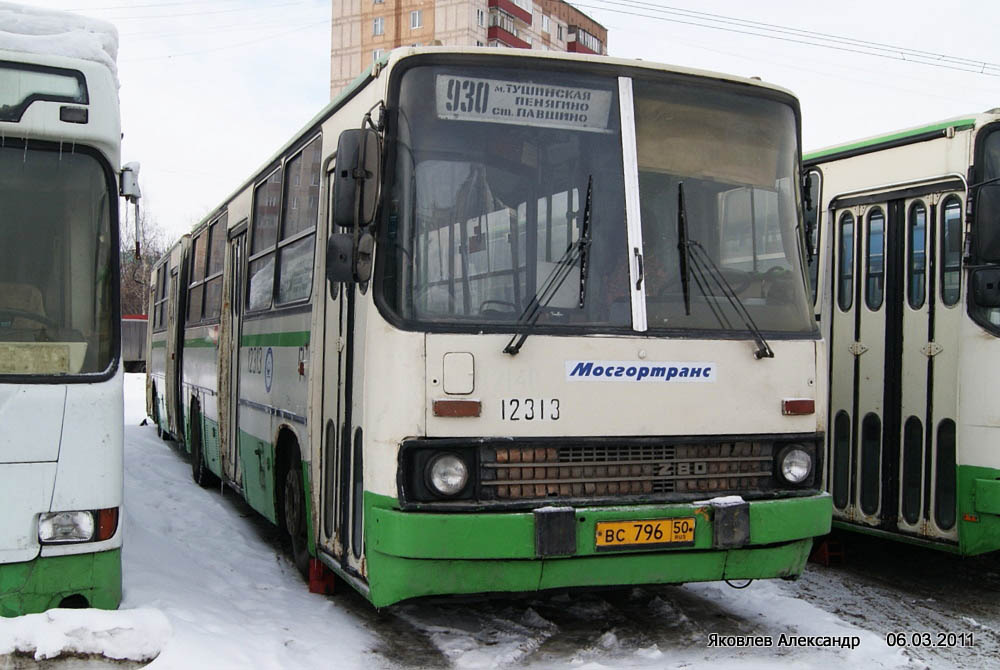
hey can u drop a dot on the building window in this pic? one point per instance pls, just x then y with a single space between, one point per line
378 26
545 23
559 33
524 4
479 43
415 19
480 18
378 2
376 55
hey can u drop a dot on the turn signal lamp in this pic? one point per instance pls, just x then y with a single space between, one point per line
107 523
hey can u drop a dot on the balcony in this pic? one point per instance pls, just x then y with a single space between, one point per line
503 28
513 9
499 34
580 41
579 47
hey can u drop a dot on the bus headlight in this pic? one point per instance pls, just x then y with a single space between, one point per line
795 465
447 474
60 527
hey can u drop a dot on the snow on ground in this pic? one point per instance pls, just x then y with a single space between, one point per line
41 31
207 585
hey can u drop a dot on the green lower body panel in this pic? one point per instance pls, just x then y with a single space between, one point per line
41 584
414 554
976 522
978 509
258 462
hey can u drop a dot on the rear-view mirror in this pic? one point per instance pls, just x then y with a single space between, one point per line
356 182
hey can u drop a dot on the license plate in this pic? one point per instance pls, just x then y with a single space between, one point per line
646 533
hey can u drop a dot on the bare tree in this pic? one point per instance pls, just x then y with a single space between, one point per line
135 271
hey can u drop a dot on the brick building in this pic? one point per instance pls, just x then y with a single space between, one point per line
363 30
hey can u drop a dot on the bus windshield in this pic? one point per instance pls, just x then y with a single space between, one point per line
56 280
489 186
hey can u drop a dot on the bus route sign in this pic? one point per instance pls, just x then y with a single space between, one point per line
522 103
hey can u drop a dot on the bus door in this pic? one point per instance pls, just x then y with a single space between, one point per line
343 439
237 268
174 335
887 469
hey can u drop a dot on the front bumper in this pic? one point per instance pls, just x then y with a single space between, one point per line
413 554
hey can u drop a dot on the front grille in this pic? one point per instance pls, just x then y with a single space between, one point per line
579 470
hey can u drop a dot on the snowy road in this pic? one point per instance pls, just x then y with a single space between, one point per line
208 576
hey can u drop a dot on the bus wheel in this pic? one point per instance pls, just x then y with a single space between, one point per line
294 503
199 471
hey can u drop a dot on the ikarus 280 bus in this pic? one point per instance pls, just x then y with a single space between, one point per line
504 322
909 296
61 422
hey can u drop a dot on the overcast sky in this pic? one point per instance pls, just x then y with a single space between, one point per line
210 89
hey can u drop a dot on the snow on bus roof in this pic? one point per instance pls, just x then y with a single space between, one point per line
47 32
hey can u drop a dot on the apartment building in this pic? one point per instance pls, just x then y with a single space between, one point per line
363 30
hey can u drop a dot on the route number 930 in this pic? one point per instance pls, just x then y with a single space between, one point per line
467 96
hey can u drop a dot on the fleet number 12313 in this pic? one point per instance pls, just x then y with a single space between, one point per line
529 409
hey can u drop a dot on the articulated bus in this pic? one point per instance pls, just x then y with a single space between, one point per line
508 322
61 414
908 289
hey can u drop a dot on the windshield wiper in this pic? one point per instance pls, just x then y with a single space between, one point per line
557 277
585 235
694 257
682 247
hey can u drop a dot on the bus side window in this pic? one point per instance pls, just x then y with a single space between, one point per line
213 282
300 209
197 274
266 197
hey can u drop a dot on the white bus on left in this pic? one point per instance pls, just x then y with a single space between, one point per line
61 415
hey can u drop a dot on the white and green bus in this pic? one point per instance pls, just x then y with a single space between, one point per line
908 292
508 322
61 423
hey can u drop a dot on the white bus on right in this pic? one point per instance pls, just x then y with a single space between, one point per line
905 265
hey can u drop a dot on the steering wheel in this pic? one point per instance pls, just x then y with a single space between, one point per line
21 314
778 287
775 272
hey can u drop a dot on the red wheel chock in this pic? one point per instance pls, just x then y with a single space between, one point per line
321 578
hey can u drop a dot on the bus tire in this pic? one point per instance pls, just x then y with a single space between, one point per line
293 504
200 473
